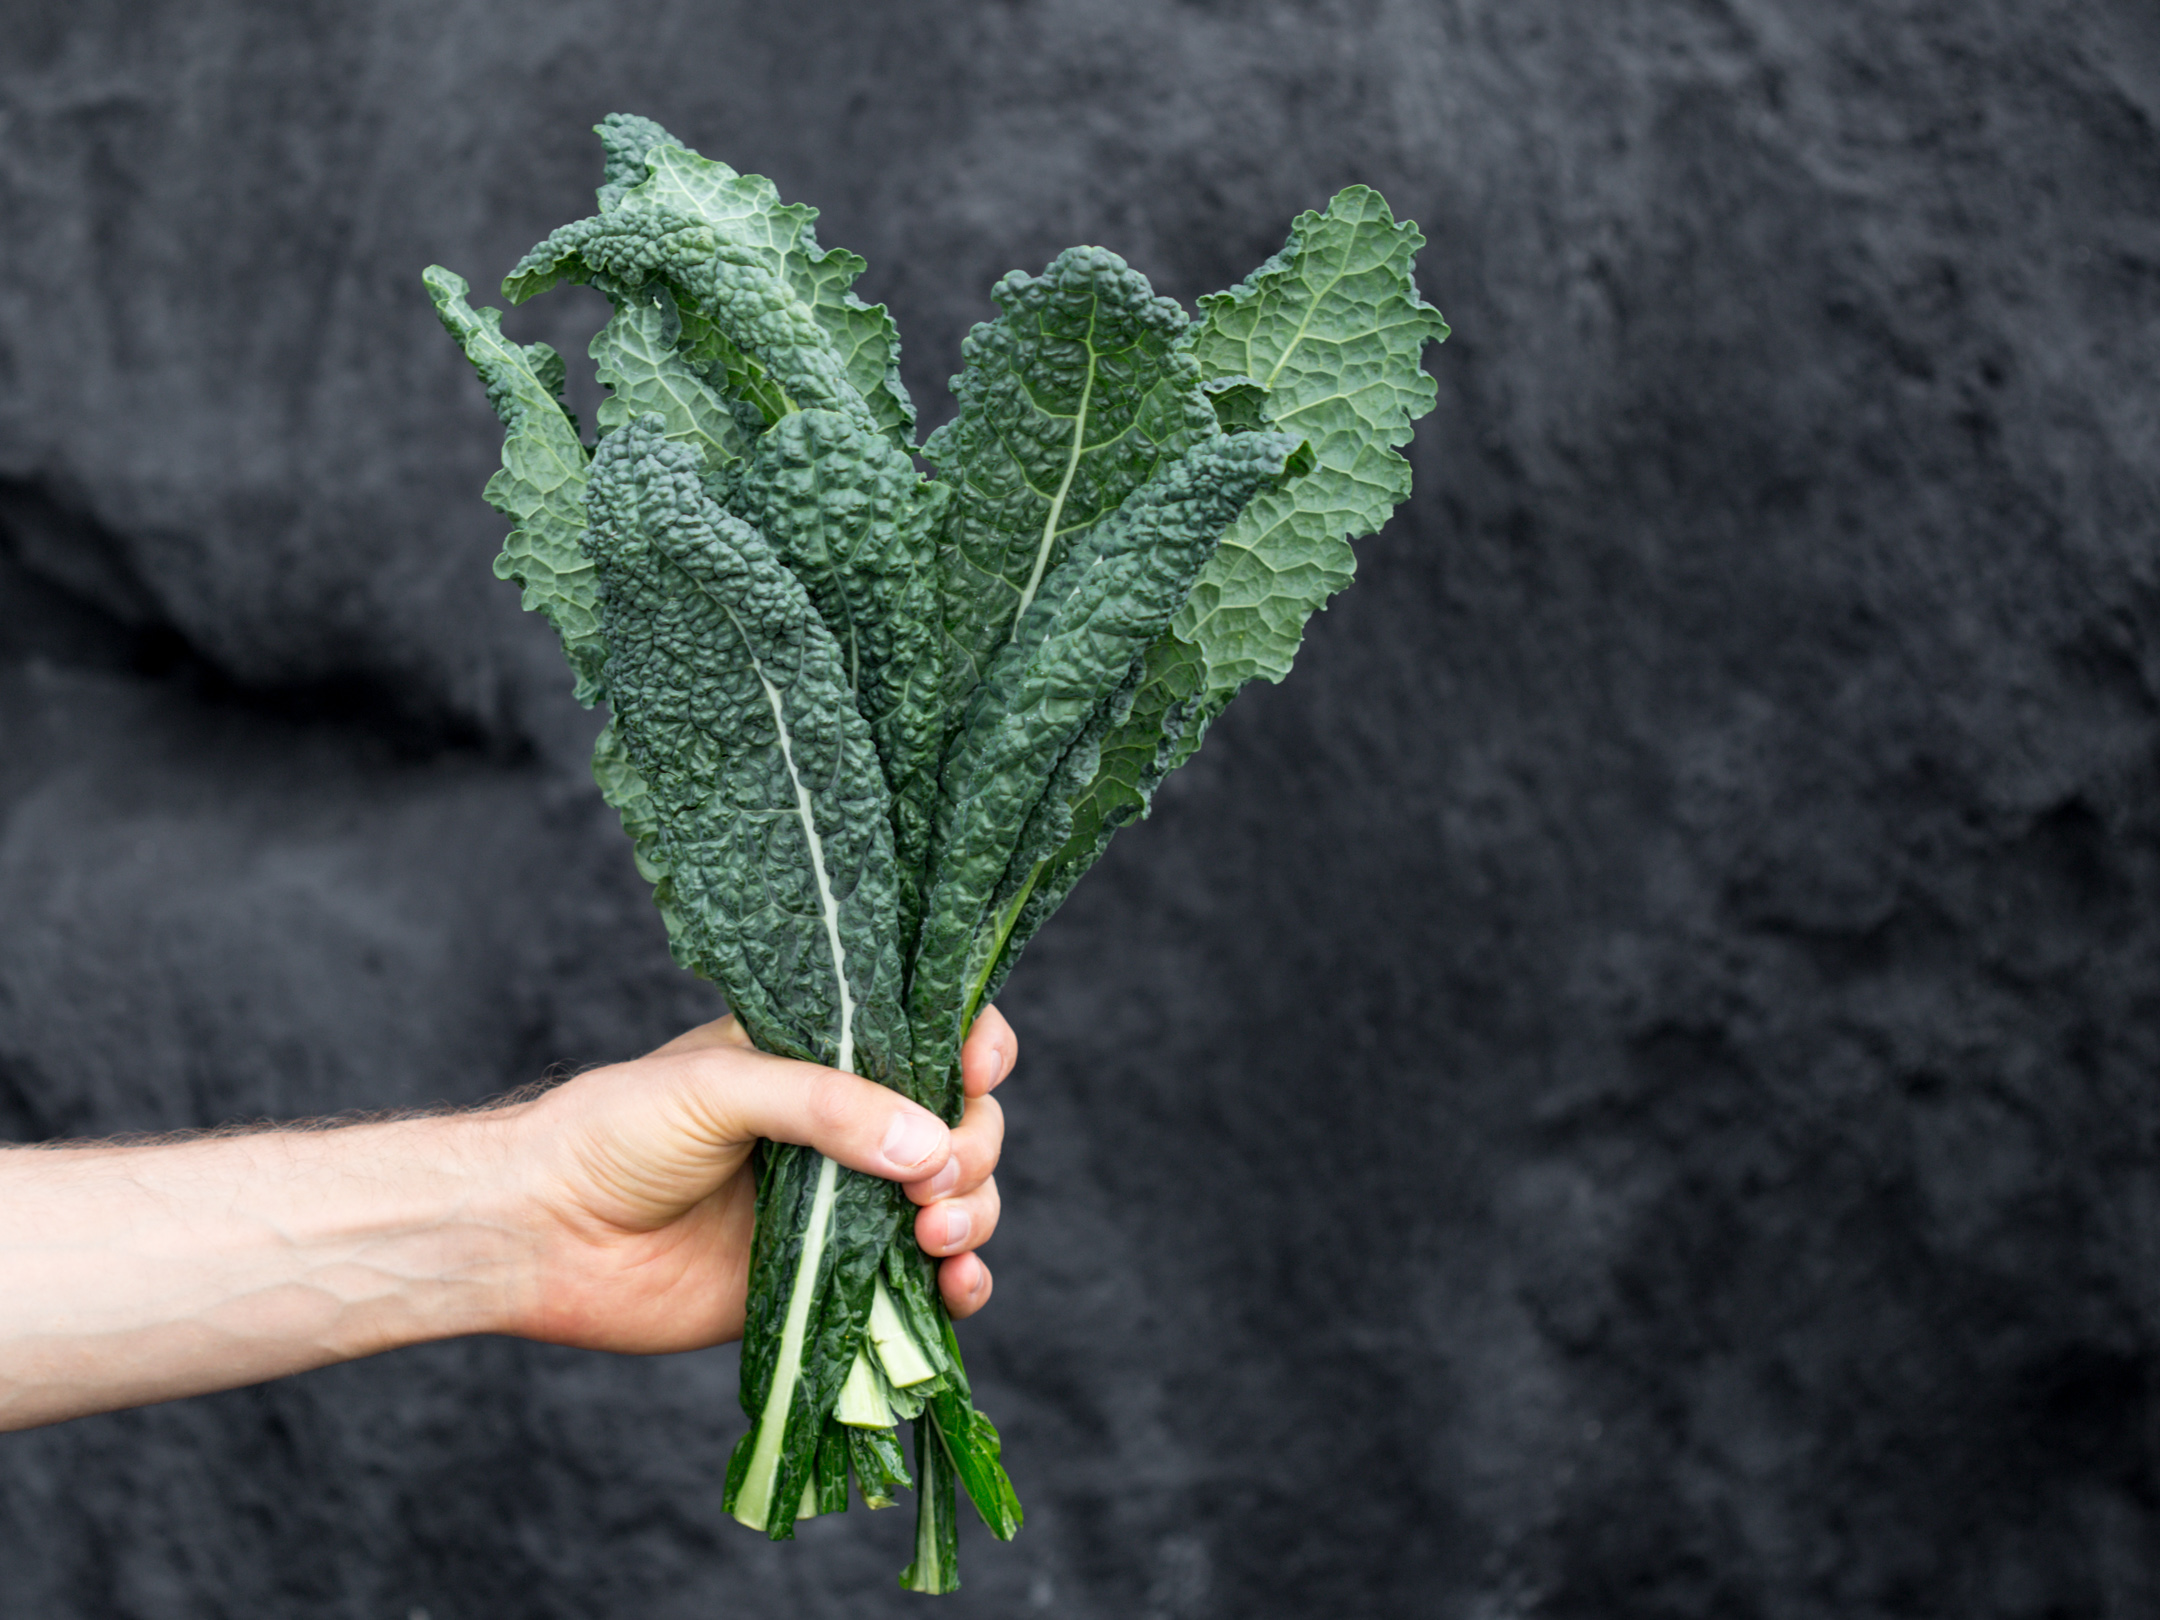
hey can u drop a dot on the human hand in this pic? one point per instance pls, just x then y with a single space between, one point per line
637 1183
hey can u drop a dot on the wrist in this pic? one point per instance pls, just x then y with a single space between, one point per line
428 1233
530 1192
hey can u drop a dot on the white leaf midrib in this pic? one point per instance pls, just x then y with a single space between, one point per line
755 1507
1072 467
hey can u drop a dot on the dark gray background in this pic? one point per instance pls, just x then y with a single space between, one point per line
1628 1087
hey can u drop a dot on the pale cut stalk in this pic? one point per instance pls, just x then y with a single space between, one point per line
904 1403
862 1398
903 1359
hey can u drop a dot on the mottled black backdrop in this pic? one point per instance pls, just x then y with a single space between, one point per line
1629 1087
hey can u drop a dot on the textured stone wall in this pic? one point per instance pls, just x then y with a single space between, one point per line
1629 1087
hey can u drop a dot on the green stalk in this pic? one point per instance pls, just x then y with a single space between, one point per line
1001 928
937 1525
879 1469
753 1504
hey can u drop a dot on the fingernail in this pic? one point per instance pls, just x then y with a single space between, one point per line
910 1139
958 1223
944 1181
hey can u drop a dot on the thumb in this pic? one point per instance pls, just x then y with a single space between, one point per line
648 1140
742 1094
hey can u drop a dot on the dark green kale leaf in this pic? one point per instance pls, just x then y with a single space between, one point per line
1333 329
1072 655
745 211
1325 341
852 519
730 285
731 699
760 312
1069 401
639 360
625 142
880 1470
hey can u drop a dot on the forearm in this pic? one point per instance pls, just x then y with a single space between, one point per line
131 1274
614 1212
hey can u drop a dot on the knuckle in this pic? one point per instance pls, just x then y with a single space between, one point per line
985 1205
828 1101
984 1140
965 1283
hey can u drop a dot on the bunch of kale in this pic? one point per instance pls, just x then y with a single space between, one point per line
869 728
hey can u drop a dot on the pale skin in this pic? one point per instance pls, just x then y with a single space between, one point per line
611 1213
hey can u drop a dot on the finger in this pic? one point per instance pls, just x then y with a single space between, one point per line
965 1284
744 1093
956 1225
989 1055
976 1144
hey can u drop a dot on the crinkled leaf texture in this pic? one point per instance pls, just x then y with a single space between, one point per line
1071 658
638 359
731 699
850 517
541 487
733 290
1332 330
745 211
1069 401
1325 341
764 311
